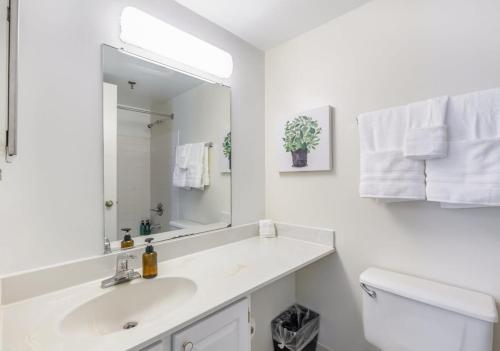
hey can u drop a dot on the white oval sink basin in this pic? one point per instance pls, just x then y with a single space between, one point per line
128 305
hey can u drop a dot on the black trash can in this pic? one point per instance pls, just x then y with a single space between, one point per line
296 329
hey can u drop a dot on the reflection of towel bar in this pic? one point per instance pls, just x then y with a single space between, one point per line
209 144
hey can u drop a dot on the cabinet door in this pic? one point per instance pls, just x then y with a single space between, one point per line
227 330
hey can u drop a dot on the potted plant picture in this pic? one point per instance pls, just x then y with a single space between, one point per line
300 138
226 148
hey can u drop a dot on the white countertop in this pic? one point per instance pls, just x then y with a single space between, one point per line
222 275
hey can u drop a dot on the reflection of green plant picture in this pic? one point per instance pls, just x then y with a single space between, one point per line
226 147
302 135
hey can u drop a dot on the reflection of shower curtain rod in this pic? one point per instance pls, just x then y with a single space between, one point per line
147 112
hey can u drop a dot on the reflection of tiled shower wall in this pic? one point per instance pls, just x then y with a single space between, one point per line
134 193
162 153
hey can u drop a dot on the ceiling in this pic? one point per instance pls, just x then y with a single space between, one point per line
268 23
154 83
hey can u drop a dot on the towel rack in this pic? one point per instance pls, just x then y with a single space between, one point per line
209 144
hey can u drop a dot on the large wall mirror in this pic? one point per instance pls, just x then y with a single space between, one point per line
167 151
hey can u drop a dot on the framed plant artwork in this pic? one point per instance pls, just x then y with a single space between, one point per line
226 152
305 141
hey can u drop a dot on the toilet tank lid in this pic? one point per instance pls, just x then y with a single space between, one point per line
466 302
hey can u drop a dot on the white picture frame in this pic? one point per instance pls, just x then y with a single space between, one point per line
315 153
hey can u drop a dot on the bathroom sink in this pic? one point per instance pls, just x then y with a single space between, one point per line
128 306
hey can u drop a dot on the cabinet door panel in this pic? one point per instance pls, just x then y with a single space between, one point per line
227 330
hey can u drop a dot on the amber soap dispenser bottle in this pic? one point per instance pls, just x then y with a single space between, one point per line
127 242
149 261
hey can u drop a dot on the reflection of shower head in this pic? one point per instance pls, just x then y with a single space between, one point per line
152 124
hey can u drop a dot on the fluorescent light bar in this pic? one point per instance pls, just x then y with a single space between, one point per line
149 33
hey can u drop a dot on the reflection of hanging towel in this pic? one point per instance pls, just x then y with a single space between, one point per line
385 172
206 171
196 172
180 174
470 175
182 155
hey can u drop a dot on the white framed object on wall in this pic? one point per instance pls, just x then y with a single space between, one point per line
304 141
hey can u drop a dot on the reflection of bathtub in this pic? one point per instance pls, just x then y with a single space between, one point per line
189 228
176 224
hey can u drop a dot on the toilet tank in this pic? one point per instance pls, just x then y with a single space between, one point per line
405 313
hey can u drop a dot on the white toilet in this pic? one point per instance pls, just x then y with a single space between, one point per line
405 313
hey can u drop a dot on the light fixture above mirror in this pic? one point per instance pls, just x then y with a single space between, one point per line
149 33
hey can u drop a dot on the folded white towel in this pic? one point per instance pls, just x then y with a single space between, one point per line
385 172
197 171
470 175
206 167
182 155
179 177
426 136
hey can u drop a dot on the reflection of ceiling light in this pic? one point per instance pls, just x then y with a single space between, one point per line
173 69
147 32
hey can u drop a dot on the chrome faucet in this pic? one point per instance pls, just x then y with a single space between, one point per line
123 273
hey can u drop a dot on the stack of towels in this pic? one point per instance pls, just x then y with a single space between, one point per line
445 149
191 166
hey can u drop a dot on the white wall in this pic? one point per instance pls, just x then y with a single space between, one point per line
202 114
51 198
387 53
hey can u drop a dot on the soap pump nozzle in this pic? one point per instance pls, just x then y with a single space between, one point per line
149 246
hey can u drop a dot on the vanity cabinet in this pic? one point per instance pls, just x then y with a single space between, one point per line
224 330
228 329
156 346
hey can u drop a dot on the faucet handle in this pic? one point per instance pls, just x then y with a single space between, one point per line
125 256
